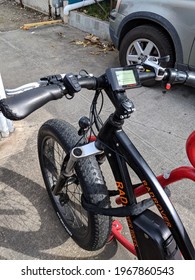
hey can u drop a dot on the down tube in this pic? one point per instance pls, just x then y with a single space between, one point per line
165 207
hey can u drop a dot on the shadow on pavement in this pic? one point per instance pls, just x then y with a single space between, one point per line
29 225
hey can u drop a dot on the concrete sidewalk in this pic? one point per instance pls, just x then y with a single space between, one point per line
29 228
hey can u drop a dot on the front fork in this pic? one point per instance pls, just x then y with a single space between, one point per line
76 154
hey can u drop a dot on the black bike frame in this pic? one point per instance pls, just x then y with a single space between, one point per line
120 151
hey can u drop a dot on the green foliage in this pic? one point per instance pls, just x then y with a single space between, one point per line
99 10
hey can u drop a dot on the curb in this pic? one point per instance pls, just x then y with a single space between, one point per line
89 24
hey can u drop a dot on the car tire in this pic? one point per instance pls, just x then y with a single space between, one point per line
145 40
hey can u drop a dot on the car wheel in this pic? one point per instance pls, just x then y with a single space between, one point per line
142 41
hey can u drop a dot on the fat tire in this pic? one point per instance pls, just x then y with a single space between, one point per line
91 182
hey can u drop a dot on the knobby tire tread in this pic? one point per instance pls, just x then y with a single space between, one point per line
91 181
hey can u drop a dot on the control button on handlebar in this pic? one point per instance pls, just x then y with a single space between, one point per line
71 83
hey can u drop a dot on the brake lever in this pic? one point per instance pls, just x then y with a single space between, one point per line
151 63
53 79
164 58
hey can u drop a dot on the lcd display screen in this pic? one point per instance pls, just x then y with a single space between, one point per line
123 78
126 78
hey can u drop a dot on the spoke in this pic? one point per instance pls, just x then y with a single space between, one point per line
58 154
78 216
133 58
76 212
138 48
75 215
50 166
148 49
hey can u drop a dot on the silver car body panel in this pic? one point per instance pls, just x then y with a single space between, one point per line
177 17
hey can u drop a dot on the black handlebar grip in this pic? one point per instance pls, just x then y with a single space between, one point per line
19 106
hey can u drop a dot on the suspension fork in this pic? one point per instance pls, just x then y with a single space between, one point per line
76 154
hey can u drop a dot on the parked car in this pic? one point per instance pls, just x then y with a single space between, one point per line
154 27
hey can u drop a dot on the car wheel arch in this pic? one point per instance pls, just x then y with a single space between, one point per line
142 18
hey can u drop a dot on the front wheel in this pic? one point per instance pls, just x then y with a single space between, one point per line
90 231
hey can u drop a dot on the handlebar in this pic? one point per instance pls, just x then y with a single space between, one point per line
19 106
50 88
24 101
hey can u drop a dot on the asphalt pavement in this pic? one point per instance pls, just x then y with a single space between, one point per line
159 128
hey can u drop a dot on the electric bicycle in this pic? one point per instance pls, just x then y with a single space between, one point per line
72 160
